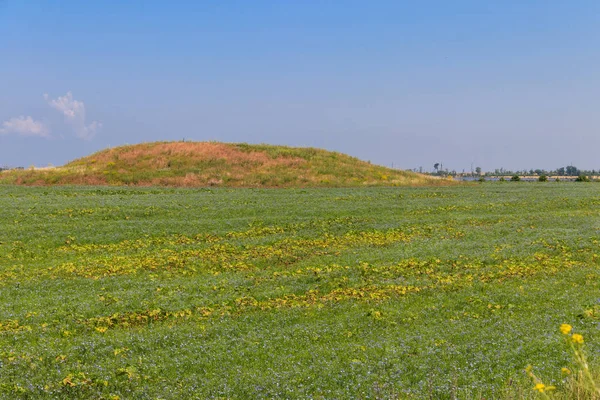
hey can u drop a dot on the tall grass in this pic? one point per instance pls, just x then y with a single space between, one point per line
201 164
579 382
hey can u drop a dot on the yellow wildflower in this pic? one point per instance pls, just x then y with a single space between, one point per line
577 338
565 371
68 381
540 387
565 329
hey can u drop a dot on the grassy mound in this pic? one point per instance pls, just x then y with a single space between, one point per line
197 164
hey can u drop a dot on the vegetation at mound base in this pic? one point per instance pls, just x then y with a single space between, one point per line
201 164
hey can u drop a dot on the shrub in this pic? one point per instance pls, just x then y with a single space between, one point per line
515 178
543 178
582 178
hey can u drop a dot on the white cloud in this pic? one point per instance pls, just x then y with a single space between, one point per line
25 126
74 113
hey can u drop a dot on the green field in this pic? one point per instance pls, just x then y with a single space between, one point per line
138 293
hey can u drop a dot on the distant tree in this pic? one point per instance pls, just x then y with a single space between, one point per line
560 171
478 170
571 170
436 166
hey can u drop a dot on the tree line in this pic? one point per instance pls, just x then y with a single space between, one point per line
569 170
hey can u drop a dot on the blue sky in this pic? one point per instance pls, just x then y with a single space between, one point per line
495 84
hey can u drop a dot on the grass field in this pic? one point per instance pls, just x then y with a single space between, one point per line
123 293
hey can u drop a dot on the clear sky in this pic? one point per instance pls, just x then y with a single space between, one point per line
512 84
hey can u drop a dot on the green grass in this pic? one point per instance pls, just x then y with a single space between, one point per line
294 293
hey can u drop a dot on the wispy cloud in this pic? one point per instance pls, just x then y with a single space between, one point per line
74 113
25 126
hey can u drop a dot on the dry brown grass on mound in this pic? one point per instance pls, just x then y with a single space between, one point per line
197 164
158 154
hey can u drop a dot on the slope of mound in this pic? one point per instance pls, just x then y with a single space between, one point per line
197 164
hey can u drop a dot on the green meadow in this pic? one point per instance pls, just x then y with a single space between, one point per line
163 293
